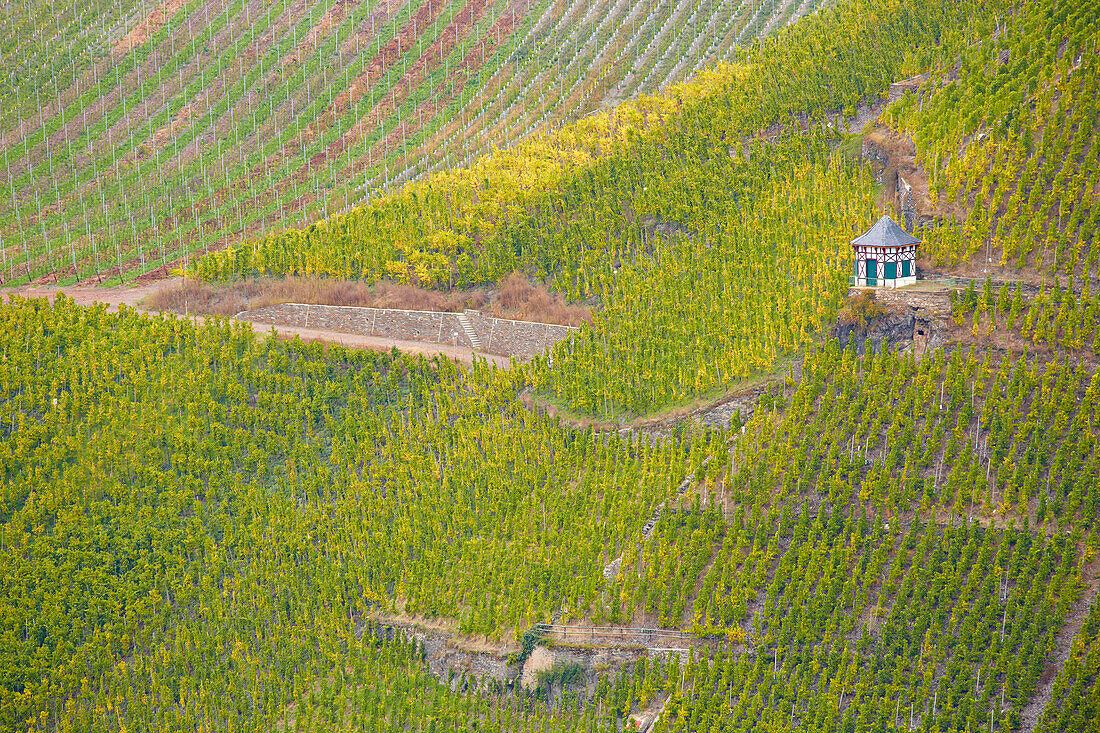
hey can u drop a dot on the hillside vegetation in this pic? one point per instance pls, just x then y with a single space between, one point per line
150 466
202 528
134 134
196 522
661 198
457 228
1007 139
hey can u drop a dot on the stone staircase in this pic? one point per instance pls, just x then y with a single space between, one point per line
470 332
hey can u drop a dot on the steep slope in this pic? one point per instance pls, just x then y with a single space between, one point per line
894 545
1006 157
661 199
199 527
134 134
197 522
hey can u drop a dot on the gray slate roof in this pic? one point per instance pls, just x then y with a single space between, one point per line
886 233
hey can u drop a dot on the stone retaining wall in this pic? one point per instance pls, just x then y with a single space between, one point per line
523 339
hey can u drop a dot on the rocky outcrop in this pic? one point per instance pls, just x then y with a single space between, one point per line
591 661
906 206
900 88
446 659
905 328
743 404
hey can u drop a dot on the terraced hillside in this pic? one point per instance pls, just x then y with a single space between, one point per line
203 528
200 524
713 248
134 133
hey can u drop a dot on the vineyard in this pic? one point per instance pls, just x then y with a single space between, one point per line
1008 143
136 135
150 464
197 499
206 528
643 206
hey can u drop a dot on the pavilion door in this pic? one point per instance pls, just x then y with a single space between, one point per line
872 273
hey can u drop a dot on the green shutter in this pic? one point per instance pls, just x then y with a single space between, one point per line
889 271
905 268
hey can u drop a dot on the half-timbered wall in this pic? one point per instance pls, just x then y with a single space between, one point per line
882 255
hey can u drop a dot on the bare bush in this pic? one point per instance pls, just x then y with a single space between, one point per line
515 292
517 298
312 290
197 297
522 300
860 309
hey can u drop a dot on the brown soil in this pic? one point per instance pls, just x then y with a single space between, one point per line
377 343
177 125
73 127
509 19
391 51
328 21
506 23
149 25
195 108
456 30
642 632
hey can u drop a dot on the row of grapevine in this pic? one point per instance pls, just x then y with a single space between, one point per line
187 126
1056 318
708 309
584 209
1009 146
194 519
997 441
848 573
861 625
1075 699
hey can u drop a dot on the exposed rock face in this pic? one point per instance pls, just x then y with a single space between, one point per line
655 227
899 330
879 160
445 660
906 206
722 415
900 88
894 166
592 661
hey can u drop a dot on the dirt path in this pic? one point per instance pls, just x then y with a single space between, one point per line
1075 618
378 343
89 294
133 296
